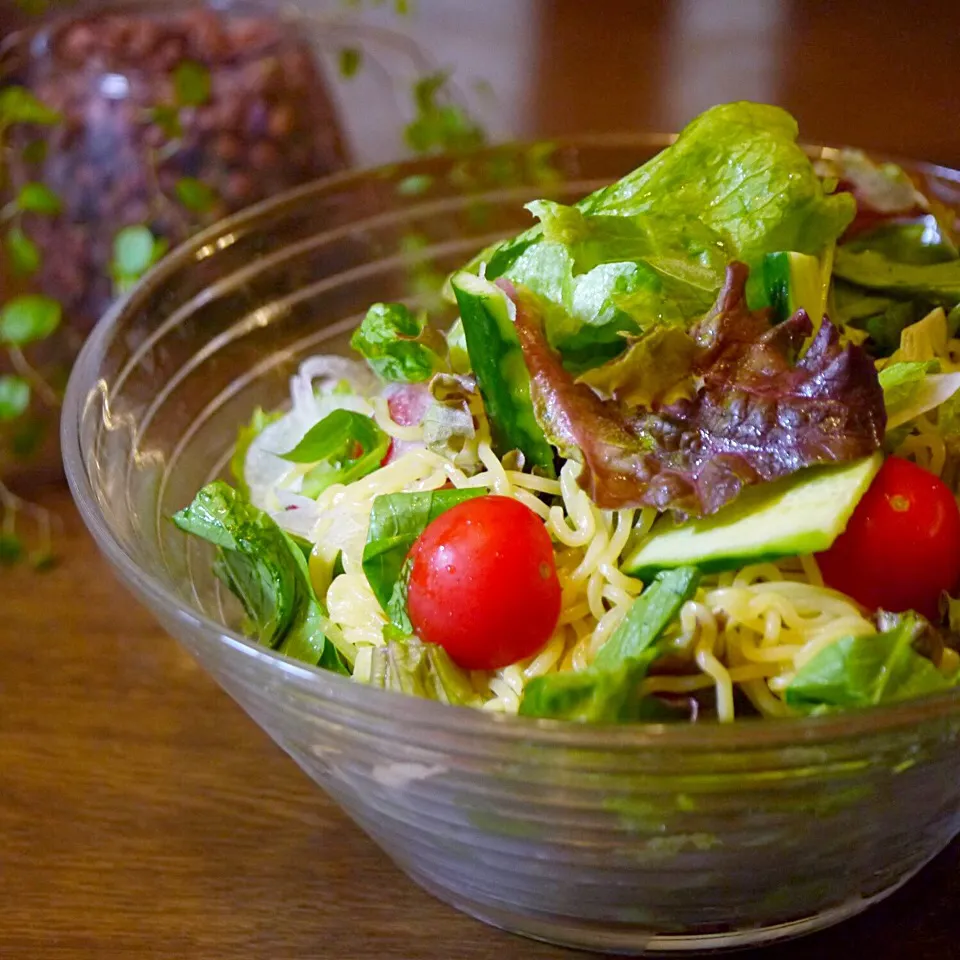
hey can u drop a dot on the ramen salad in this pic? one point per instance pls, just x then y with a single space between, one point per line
689 452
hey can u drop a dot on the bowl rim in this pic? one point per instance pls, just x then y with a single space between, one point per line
748 733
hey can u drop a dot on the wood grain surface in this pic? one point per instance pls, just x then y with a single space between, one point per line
143 815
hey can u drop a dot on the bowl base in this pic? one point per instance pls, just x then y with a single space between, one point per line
634 940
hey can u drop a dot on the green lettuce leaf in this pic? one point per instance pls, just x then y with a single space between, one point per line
652 247
867 670
938 283
396 520
608 690
921 241
915 387
652 366
448 424
882 317
266 570
417 669
398 344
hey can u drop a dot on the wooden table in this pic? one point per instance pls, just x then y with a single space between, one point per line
142 815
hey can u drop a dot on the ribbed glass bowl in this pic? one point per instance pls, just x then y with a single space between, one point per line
625 839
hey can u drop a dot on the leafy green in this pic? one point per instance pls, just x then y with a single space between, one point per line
266 570
398 344
396 520
440 125
927 339
28 318
19 105
135 250
415 185
350 60
14 396
38 198
608 690
457 352
882 317
921 241
911 388
448 423
652 612
22 253
936 282
195 195
419 669
652 247
245 436
651 367
167 118
11 548
867 670
191 84
344 446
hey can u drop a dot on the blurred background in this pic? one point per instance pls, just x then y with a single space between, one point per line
126 128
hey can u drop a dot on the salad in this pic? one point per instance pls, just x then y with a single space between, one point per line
690 452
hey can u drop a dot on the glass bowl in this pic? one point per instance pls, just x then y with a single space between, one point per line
625 839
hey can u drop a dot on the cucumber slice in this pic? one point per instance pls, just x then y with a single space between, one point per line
792 282
801 514
497 361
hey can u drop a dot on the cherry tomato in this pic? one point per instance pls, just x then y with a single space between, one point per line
901 548
483 584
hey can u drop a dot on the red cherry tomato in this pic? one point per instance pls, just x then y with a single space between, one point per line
901 548
483 584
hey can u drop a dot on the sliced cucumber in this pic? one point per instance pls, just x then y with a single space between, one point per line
497 361
801 514
792 282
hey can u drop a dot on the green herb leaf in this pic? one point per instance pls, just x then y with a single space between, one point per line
135 250
28 318
608 690
38 198
11 548
415 185
191 84
245 436
345 446
399 345
396 520
14 396
332 437
351 59
266 570
168 120
652 612
440 124
195 195
22 253
866 670
19 105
